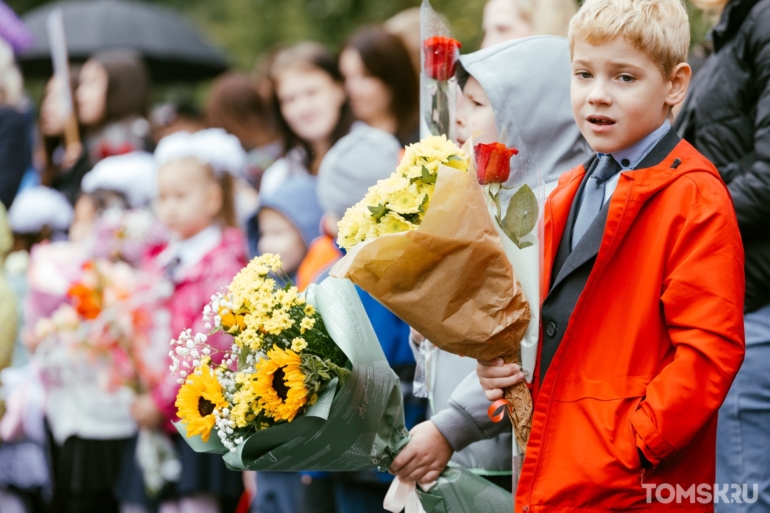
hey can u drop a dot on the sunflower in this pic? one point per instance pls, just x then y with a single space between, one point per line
196 401
280 384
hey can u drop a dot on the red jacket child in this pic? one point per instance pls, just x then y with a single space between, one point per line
658 334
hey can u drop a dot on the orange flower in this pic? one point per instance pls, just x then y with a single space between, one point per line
87 301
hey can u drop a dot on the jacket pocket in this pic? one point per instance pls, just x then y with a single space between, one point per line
611 401
622 387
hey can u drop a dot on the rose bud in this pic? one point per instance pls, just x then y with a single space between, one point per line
441 55
493 162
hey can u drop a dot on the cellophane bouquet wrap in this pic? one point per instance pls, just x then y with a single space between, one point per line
514 195
423 243
438 85
305 386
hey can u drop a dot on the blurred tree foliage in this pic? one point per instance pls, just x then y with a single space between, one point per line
246 28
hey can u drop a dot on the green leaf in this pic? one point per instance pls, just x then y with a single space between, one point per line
521 216
454 158
424 202
427 178
378 211
242 359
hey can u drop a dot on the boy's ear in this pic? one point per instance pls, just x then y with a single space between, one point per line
680 81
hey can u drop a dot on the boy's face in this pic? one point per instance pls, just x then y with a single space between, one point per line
279 236
475 113
619 94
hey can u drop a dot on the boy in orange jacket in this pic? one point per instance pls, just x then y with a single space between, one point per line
642 325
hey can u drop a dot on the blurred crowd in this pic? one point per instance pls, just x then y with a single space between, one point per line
268 164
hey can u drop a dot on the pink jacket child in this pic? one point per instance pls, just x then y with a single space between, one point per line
199 267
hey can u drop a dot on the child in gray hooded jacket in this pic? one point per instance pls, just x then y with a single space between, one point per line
520 87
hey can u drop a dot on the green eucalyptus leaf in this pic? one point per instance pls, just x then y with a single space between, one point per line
521 216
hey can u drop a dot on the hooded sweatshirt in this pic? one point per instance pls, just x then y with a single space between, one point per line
527 82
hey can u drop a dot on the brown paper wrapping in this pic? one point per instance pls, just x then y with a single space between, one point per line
451 281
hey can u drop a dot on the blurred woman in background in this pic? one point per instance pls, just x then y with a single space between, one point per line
381 83
505 20
312 110
236 105
112 100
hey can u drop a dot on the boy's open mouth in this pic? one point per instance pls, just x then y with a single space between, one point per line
600 120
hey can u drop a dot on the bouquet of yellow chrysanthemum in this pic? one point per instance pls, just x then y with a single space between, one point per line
305 385
424 245
399 203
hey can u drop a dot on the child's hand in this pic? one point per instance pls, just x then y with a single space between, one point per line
497 375
425 456
145 413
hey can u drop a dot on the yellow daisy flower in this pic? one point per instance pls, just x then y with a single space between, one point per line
280 384
298 344
196 401
309 310
306 324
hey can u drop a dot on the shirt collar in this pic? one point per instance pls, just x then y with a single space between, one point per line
630 157
191 251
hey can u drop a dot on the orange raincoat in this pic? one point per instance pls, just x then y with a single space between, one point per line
651 347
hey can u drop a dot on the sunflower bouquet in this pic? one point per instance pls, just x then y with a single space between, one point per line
304 386
282 356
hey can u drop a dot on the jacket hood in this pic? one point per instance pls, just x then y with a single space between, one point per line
296 199
528 84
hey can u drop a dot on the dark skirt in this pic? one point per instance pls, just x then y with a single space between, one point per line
201 473
85 473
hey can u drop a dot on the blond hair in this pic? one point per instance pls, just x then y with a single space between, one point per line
659 28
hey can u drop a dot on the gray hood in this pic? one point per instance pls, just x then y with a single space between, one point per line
528 83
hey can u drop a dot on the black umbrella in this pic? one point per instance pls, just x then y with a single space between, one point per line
172 48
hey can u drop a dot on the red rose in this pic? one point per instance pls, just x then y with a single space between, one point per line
441 54
493 162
